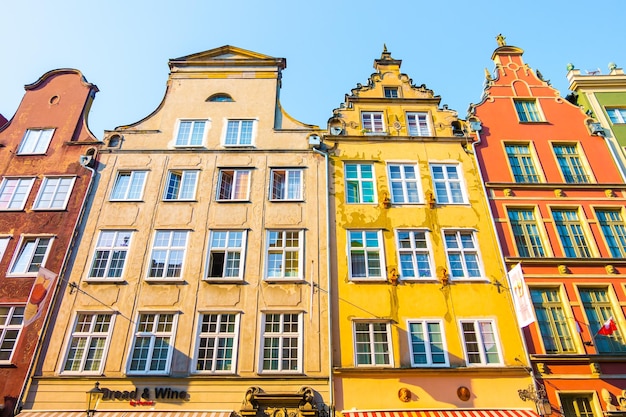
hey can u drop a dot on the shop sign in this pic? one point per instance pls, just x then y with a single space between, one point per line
145 396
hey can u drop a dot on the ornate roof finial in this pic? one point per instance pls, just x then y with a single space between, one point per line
487 74
501 40
386 55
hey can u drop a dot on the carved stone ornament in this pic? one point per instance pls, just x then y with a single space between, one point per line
258 403
608 400
463 393
404 394
595 368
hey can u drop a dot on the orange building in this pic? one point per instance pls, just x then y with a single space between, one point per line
557 200
46 157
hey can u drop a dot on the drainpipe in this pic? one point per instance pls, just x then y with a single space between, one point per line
61 278
530 369
331 400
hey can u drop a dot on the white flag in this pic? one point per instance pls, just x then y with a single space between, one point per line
521 297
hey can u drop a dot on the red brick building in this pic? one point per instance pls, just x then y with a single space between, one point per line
557 200
46 157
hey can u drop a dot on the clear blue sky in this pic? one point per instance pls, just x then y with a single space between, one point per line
123 46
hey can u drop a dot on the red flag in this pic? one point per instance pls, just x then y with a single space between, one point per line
608 328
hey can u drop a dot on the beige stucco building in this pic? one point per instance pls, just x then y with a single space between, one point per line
201 277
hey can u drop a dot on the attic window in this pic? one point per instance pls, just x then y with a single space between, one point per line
391 92
220 97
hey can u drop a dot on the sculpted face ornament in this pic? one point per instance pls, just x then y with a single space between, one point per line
404 394
463 393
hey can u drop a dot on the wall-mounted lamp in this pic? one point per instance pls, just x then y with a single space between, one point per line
537 394
94 396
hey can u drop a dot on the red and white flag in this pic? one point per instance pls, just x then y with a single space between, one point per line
608 328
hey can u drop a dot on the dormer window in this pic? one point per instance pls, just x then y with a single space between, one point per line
528 111
391 92
220 97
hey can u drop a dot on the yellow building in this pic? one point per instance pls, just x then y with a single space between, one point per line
200 281
422 316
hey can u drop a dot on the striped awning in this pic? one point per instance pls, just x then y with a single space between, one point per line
131 413
443 413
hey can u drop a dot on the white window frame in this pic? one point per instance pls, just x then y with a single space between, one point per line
116 247
149 330
448 184
187 185
371 342
281 187
35 141
358 181
283 338
169 248
369 253
4 243
429 344
213 327
133 190
236 126
237 176
369 122
463 252
617 115
418 124
54 187
15 201
278 250
394 92
227 246
187 140
30 257
14 313
88 334
403 183
482 340
413 250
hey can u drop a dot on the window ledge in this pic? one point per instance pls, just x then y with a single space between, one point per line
286 201
180 200
7 365
369 280
221 280
165 280
49 209
273 373
190 146
126 201
425 280
232 201
104 280
288 280
22 275
478 280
